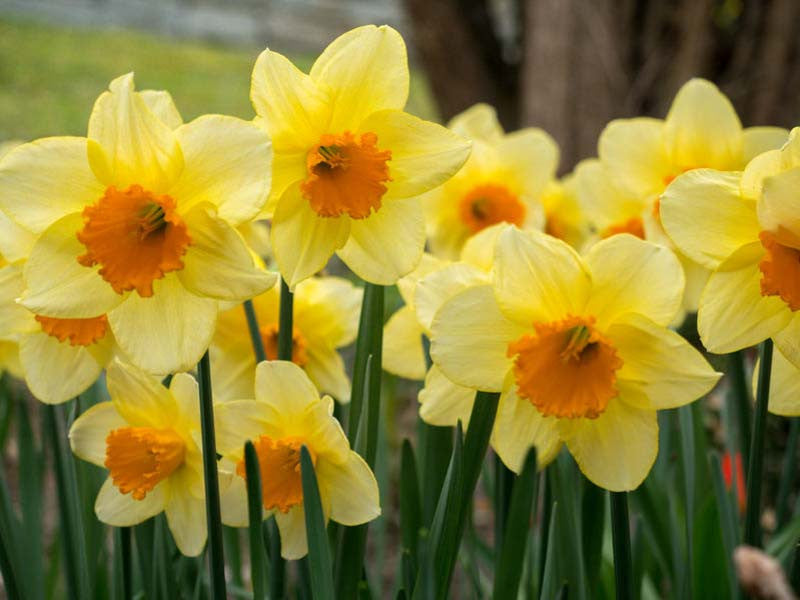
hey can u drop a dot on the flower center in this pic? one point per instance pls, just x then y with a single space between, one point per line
279 460
555 226
79 332
135 236
489 204
567 369
139 457
269 337
346 174
780 270
634 226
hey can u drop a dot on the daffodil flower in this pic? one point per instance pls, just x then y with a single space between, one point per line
136 222
784 386
578 349
640 157
325 319
349 163
146 438
288 413
503 181
564 216
744 227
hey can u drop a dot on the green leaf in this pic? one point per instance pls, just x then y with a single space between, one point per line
593 524
685 417
410 506
31 494
728 525
551 583
319 557
512 554
9 541
620 530
256 517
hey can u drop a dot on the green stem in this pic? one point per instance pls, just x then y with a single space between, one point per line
740 398
255 332
503 483
285 323
216 557
256 516
621 539
788 473
752 528
127 562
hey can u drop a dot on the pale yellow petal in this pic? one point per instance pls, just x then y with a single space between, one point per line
790 152
284 386
218 264
532 155
302 240
757 140
365 70
403 354
14 318
292 107
702 129
186 393
478 250
617 449
435 289
292 529
479 122
444 403
470 338
162 105
537 278
520 426
406 285
757 170
139 397
779 205
133 145
87 436
57 284
604 203
784 386
424 154
45 180
707 217
121 510
388 244
227 163
186 515
237 421
287 168
233 500
350 489
633 152
326 310
787 340
167 332
630 275
15 241
326 369
660 369
733 314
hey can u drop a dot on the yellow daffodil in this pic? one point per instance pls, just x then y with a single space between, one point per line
137 222
639 157
564 217
349 163
744 227
145 437
288 413
578 349
503 181
784 386
325 318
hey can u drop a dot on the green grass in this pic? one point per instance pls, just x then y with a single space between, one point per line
50 76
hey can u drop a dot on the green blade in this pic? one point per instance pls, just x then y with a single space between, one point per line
256 517
319 554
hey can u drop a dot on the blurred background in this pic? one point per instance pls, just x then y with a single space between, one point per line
568 66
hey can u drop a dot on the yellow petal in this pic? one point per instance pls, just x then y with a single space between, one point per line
757 170
227 163
633 152
779 204
478 250
301 239
121 510
365 70
186 393
292 107
233 499
13 317
406 285
42 181
787 340
470 338
538 278
15 241
87 436
435 289
388 244
533 155
292 528
784 386
163 107
702 129
403 354
733 314
186 515
167 332
287 168
617 449
350 489
630 275
237 421
139 397
706 216
326 370
57 284
604 203
790 152
218 264
424 154
284 385
660 369
57 371
518 427
479 122
326 310
444 403
757 140
133 145
9 359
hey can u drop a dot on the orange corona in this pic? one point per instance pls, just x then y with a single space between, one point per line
79 332
780 270
634 226
489 204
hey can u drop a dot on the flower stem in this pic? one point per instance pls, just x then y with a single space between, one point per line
216 556
256 516
752 528
127 562
740 398
285 323
621 538
255 332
